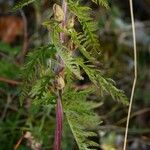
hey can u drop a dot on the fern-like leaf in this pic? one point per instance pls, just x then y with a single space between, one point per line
105 84
69 62
77 40
101 2
90 39
81 117
32 69
36 58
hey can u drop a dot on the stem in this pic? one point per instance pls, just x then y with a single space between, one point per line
24 50
9 81
62 36
19 142
135 73
59 109
59 120
63 23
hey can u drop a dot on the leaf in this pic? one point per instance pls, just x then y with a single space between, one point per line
8 69
36 58
77 39
80 116
11 51
34 67
104 84
70 62
91 40
22 3
101 2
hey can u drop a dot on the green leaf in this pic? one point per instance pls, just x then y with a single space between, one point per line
35 67
80 116
22 3
77 39
89 39
8 69
6 48
36 58
69 62
101 2
104 84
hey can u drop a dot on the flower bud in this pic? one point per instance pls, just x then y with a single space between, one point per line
58 13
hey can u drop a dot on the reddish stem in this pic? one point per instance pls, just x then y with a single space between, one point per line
59 109
58 130
63 23
62 36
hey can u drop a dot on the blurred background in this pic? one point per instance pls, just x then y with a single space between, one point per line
22 30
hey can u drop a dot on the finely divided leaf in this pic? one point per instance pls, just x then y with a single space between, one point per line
104 84
81 118
101 2
70 62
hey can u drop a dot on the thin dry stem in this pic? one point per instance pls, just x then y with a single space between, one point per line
9 81
137 113
135 74
19 142
24 50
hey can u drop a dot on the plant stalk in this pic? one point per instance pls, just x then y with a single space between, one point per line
59 108
135 74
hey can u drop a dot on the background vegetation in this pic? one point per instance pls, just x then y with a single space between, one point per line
115 61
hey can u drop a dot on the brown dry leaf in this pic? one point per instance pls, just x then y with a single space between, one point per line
10 28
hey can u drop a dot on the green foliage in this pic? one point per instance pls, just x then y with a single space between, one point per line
40 76
36 59
35 68
77 40
80 117
7 49
7 69
70 62
23 3
101 2
40 91
105 84
8 128
89 38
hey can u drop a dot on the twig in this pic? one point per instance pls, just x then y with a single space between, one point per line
25 38
122 129
19 142
135 74
139 112
9 81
